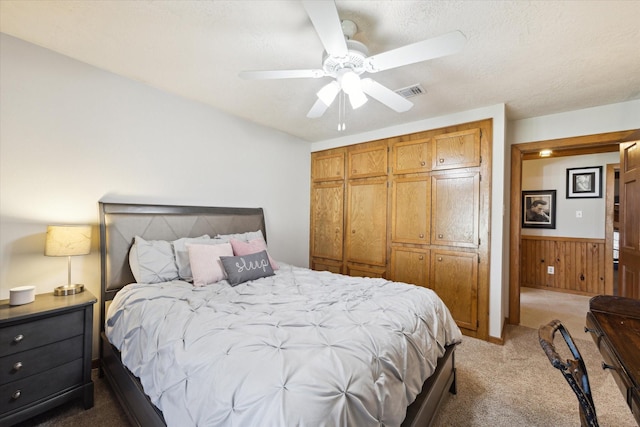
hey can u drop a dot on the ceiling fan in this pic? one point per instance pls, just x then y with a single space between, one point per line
346 60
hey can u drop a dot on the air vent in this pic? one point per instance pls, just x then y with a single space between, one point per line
411 91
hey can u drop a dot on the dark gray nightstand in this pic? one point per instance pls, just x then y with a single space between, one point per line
45 354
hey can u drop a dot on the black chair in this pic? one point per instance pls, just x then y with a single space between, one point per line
574 371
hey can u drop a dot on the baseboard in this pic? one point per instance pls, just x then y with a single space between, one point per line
499 340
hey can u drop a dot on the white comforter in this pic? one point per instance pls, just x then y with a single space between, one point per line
301 348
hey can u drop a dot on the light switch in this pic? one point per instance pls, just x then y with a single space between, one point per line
550 270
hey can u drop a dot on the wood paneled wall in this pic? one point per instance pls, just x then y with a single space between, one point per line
579 264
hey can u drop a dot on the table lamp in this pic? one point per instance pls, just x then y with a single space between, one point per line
68 240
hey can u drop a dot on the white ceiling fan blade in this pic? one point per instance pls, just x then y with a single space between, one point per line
281 74
385 96
436 47
325 19
317 110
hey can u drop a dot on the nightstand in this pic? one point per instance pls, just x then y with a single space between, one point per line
45 354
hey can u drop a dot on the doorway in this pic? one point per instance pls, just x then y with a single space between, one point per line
590 144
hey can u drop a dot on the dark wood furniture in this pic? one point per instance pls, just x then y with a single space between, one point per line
120 223
45 354
614 324
573 370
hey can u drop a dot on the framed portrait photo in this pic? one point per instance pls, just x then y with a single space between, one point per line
539 209
584 183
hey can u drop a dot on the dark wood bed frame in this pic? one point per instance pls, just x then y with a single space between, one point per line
120 223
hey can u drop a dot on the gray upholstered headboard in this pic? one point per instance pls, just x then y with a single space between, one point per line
120 223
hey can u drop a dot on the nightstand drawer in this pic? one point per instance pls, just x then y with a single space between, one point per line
27 390
40 332
21 365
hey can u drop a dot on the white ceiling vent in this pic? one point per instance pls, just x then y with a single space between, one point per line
411 91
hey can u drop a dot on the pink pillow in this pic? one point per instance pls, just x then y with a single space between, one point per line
205 262
251 247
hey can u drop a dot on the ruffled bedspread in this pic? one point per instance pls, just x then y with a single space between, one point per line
301 348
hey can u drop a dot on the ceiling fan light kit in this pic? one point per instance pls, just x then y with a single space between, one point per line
345 60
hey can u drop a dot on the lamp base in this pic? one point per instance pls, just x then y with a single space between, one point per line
68 290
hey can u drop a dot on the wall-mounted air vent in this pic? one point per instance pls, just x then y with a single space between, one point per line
411 91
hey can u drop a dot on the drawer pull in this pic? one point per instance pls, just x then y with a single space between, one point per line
422 163
17 366
421 257
593 331
440 236
16 395
441 160
421 236
18 338
605 366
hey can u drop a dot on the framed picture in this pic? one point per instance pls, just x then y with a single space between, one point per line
539 209
584 183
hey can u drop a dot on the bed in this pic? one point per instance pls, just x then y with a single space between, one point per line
275 351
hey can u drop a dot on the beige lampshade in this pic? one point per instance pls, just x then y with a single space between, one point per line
68 240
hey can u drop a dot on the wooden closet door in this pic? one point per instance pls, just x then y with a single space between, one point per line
366 234
455 206
327 216
411 156
456 150
411 210
454 277
410 265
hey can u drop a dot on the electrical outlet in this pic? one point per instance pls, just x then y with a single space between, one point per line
550 270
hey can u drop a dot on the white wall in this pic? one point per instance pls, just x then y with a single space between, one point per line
499 228
588 121
71 135
550 174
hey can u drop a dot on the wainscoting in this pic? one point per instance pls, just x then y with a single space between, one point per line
578 264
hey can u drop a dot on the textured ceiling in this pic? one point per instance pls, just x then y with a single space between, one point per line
537 57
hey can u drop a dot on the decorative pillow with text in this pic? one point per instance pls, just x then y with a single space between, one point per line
243 268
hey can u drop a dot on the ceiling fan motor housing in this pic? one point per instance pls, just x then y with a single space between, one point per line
354 59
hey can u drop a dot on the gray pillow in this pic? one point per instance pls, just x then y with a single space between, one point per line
152 261
243 268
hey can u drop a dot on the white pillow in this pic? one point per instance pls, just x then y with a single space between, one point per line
182 257
205 262
152 261
243 237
